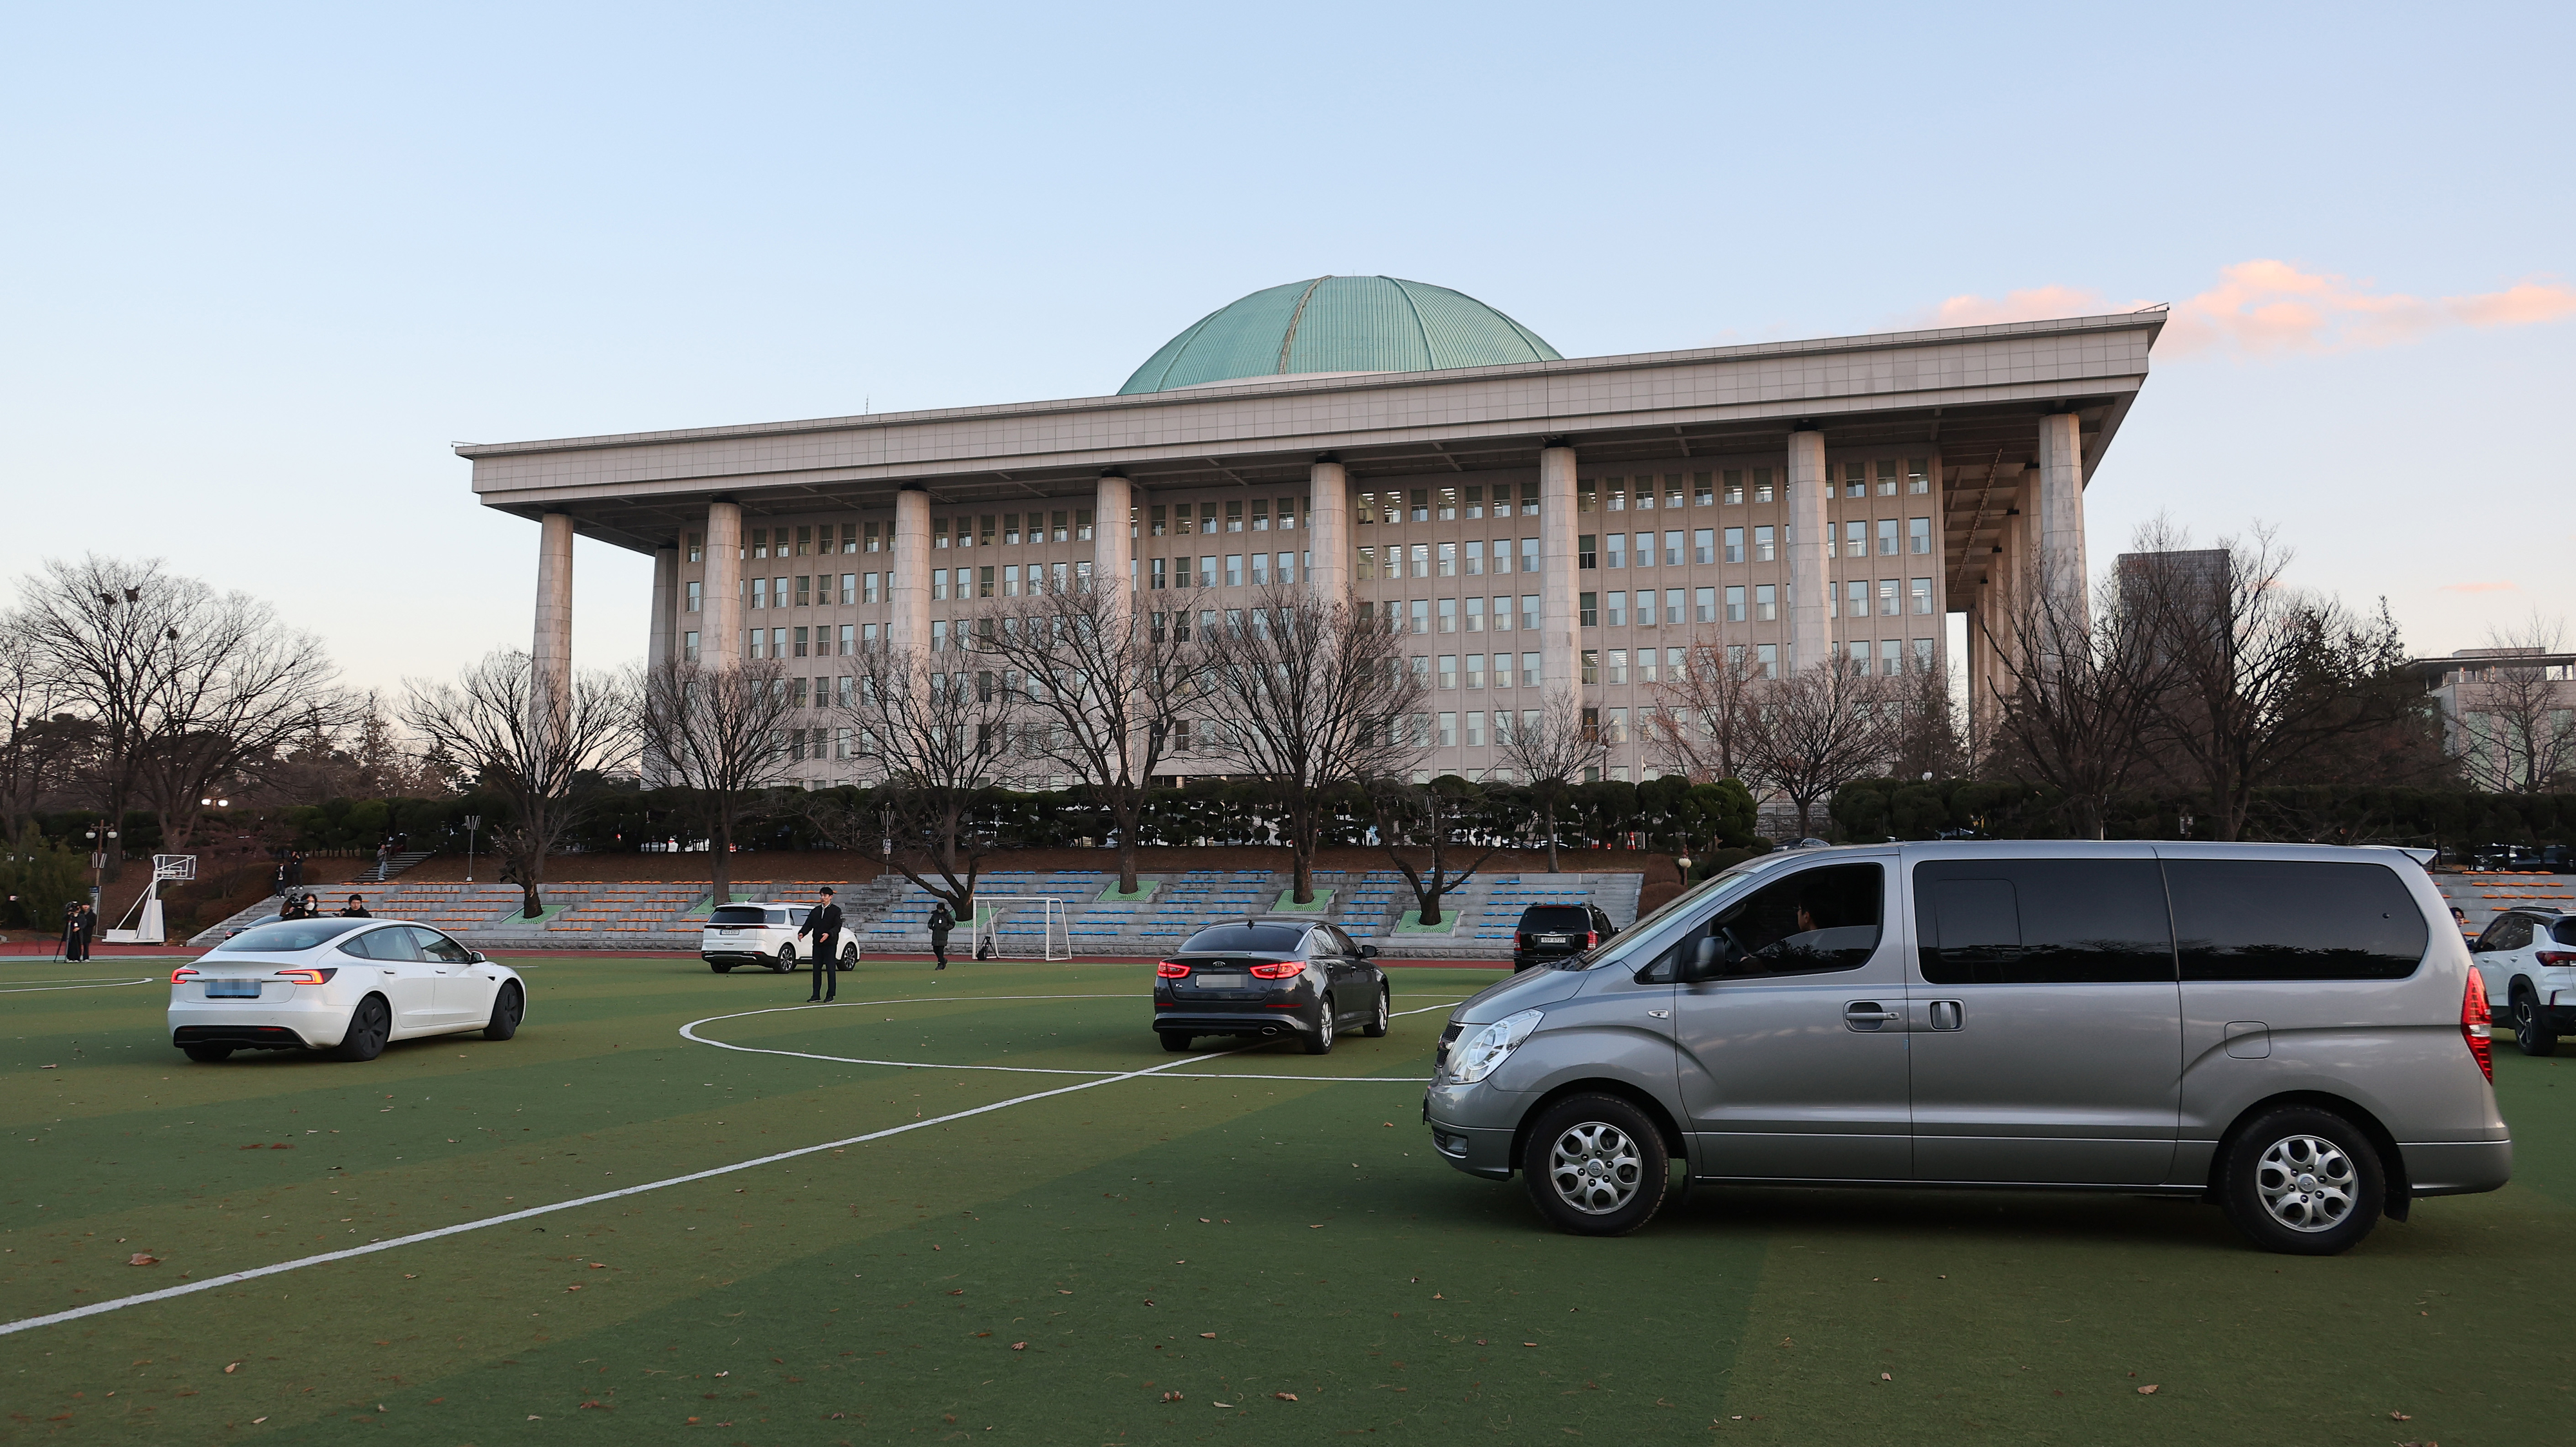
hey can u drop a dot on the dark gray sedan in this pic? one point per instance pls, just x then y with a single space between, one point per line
1270 977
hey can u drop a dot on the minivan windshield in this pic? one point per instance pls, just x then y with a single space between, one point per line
739 914
289 935
1272 939
1642 942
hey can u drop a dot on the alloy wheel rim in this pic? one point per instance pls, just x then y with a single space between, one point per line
2307 1183
1595 1167
1324 1022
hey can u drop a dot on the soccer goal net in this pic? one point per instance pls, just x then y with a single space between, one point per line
1021 927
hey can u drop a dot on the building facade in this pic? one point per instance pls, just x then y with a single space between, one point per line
1531 522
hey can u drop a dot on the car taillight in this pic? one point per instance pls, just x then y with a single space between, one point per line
1591 937
308 977
2474 1021
1170 969
184 972
1525 937
1279 970
2555 957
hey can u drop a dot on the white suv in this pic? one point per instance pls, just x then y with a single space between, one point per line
762 934
2527 957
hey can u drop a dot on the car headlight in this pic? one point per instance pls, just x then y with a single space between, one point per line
1484 1052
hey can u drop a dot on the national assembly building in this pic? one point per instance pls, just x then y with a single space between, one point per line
1534 523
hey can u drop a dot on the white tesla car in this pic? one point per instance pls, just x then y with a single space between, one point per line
343 985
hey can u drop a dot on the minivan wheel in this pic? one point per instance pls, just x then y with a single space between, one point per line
2531 1028
721 967
2302 1181
1596 1165
785 964
849 957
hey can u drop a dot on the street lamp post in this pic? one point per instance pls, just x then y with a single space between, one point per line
472 823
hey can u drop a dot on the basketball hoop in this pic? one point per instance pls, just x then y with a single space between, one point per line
179 867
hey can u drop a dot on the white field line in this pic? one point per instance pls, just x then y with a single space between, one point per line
16 989
234 1278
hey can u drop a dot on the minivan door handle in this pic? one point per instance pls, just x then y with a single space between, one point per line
1948 1015
1867 1015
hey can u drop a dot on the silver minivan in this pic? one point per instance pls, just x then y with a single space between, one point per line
2293 1032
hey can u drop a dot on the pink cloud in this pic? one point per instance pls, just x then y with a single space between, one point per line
2481 587
2264 307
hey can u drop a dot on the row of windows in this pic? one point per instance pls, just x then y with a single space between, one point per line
1446 615
1442 560
1240 515
805 542
1005 530
946 583
1230 570
1621 550
1445 504
1852 600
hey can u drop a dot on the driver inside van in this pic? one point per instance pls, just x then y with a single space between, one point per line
1814 920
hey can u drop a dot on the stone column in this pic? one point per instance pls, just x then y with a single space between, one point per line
910 595
1113 542
1560 638
1328 530
720 598
551 658
2060 479
659 642
1810 634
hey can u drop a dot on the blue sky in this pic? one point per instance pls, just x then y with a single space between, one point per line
266 262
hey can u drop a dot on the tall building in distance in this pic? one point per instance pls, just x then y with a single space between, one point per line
1533 522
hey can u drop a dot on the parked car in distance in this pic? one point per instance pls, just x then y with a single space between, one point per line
1553 931
762 934
2295 1032
2527 957
348 986
1270 977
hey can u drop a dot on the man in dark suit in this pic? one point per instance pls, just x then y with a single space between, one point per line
942 920
823 922
78 921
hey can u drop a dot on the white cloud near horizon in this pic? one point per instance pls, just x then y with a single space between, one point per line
2266 307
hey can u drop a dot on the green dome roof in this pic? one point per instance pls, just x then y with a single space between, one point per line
1339 324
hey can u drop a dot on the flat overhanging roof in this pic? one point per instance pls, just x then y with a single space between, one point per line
1975 392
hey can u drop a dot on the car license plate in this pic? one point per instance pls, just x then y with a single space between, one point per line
232 989
1219 982
1552 939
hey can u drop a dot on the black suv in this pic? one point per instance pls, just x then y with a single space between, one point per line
1269 978
1553 931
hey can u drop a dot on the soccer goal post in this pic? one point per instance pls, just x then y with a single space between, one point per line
1021 927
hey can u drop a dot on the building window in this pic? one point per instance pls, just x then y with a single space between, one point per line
697 547
805 542
1448 615
1422 505
1529 612
1887 537
1158 578
1734 481
1765 550
1615 731
939 532
1918 475
1922 650
1448 670
1082 525
1672 607
1614 494
1260 570
1855 539
1421 560
983 581
849 638
939 635
1475 672
1618 610
1703 489
1918 535
760 592
1475 615
849 587
1587 555
689 647
1591 668
1529 554
1888 605
1766 603
1891 656
1761 484
1476 730
1735 545
1234 570
1531 669
1286 569
1858 591
875 540
1672 550
1590 610
1287 514
1618 666
1734 604
1919 592
869 590
1766 659
804 590
1616 554
760 542
1207 571
697 596
801 652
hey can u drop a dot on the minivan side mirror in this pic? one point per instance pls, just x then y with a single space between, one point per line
1702 964
1368 952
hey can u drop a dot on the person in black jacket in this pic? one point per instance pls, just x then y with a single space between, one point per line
823 922
357 908
942 920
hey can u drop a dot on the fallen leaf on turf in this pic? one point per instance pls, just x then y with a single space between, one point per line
2399 1417
961 1291
692 1421
599 1266
1221 1404
1285 1396
1060 1291
228 1371
586 1406
1171 1396
1436 1296
1316 1227
255 1421
572 1288
1019 1346
1529 1343
1204 1221
1884 1377
2148 1390
1208 1335
142 1258
1390 1125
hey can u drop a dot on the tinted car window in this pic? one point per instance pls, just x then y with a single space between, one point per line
2042 922
288 935
1274 939
2564 931
2250 919
435 946
383 944
1556 917
1812 921
2506 932
739 914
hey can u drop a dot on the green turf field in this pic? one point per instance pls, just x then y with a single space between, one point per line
1231 1229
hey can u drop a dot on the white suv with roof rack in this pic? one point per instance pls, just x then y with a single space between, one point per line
752 933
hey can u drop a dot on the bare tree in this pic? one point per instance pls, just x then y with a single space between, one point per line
2262 673
496 730
1105 681
1703 714
1549 748
715 730
2518 711
1430 819
183 688
32 743
1818 729
1306 694
2083 692
935 730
